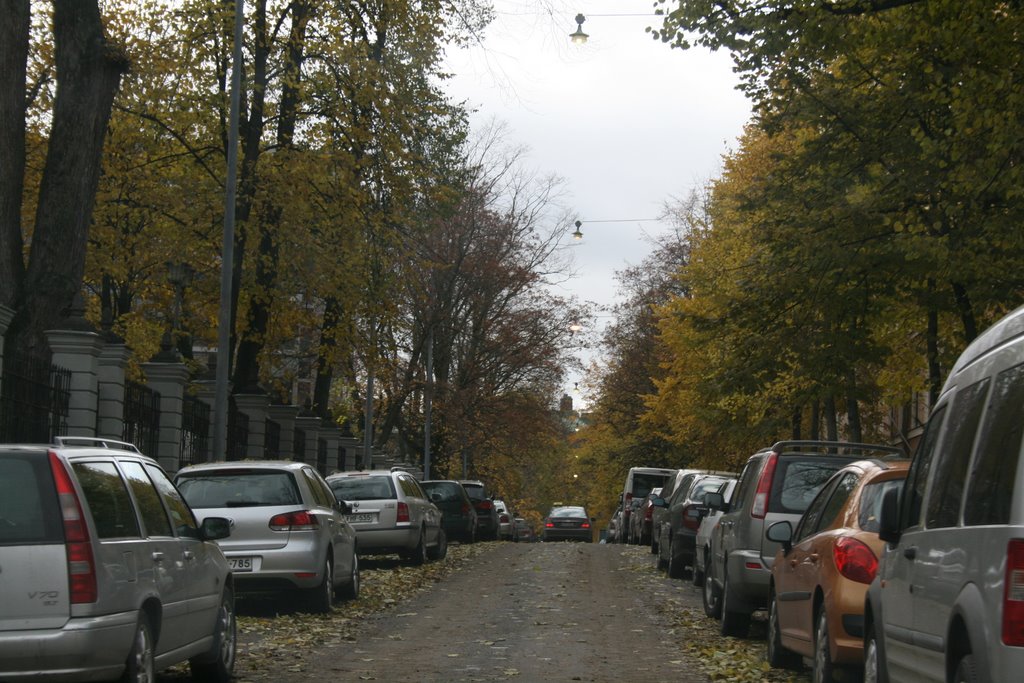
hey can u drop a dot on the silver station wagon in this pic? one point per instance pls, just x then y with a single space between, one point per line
104 571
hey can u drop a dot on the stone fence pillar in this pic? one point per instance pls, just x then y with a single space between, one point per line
310 426
285 416
254 406
110 390
79 352
169 379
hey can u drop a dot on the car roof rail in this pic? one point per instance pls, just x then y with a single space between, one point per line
94 442
840 447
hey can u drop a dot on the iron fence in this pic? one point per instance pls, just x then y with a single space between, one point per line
141 417
272 440
321 456
34 399
238 433
300 445
195 431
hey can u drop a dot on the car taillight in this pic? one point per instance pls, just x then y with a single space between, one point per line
294 521
503 519
81 567
649 513
549 525
484 505
585 525
855 560
1013 594
764 487
403 512
691 516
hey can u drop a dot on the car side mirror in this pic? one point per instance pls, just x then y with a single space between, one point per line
214 528
715 501
889 517
659 502
781 532
343 507
435 497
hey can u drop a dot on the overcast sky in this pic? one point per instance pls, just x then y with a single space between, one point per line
625 121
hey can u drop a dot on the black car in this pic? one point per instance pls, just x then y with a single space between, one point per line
568 523
458 514
487 524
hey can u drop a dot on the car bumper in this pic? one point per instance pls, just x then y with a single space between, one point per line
296 565
383 541
847 601
90 649
748 580
684 547
457 527
567 535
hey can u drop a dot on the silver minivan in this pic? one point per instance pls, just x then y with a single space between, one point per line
104 571
948 600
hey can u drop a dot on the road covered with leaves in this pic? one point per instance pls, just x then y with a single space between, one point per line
502 612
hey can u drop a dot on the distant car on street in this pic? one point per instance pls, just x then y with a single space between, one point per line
568 523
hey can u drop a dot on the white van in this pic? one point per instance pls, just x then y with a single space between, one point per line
948 600
639 482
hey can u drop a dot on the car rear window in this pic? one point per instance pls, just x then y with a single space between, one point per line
238 488
29 511
362 488
798 479
475 491
643 483
568 512
448 491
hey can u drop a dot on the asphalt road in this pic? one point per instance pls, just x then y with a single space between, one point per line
518 612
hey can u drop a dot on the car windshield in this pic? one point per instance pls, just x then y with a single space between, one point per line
447 490
238 488
362 488
568 512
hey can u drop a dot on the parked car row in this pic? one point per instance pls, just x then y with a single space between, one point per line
111 570
871 564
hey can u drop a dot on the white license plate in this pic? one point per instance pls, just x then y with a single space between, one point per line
240 564
362 518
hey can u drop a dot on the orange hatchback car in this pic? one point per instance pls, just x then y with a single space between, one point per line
821 573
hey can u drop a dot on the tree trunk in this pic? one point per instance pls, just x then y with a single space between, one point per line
89 73
831 426
934 370
852 408
13 64
247 370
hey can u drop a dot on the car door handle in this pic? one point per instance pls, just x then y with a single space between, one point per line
189 555
910 553
814 558
158 557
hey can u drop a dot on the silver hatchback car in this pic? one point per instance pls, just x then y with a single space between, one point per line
391 514
104 571
288 532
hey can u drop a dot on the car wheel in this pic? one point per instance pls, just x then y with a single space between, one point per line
139 667
218 664
321 598
736 624
676 570
823 670
966 670
439 551
776 654
873 670
712 597
350 589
